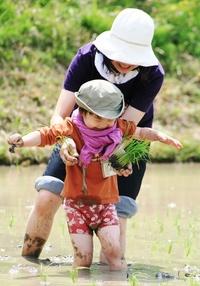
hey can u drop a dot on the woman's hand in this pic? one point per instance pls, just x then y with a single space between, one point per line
169 140
146 133
68 152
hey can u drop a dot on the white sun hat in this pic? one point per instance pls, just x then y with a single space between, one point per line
129 40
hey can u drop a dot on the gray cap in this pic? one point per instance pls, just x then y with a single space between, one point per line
101 97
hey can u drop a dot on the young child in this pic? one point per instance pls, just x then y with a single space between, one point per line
89 198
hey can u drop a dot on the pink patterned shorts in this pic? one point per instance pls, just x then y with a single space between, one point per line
85 219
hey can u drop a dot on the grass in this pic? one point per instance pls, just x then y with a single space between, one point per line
133 281
74 275
39 38
129 151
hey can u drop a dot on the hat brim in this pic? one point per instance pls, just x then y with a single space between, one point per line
108 114
123 51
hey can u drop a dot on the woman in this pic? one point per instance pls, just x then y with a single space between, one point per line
123 56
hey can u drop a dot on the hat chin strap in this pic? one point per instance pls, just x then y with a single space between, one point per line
109 75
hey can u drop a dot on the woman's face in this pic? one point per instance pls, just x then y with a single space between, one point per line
122 67
96 122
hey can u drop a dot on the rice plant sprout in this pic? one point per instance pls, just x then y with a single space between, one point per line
69 144
133 281
43 275
74 275
129 151
12 221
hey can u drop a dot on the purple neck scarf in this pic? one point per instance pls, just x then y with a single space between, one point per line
102 142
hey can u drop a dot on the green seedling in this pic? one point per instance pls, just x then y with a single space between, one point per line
170 247
192 229
69 145
43 275
74 275
155 247
133 281
12 221
161 226
129 151
93 283
177 224
187 247
193 282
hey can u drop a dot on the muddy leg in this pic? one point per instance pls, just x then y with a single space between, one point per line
123 226
39 223
83 249
109 237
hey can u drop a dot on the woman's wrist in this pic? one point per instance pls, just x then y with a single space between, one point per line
56 119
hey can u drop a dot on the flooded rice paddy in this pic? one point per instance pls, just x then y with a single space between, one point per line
163 240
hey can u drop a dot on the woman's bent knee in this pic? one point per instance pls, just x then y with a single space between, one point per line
49 183
126 207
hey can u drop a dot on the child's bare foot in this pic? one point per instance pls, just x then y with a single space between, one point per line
119 265
102 259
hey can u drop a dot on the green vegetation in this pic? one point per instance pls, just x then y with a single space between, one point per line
74 275
38 38
133 281
129 151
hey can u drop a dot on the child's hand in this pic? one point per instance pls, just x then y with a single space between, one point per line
68 152
126 171
169 140
16 141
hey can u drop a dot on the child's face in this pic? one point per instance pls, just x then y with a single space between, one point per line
94 121
122 67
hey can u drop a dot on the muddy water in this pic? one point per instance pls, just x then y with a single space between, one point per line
163 238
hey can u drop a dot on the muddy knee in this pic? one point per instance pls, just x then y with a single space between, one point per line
33 245
82 259
113 251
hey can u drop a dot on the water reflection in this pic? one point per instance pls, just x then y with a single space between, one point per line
162 238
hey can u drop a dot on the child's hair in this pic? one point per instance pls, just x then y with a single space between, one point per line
84 111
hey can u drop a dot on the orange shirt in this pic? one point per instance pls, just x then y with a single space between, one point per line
99 190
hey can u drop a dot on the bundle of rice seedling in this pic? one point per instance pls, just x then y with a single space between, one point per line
129 151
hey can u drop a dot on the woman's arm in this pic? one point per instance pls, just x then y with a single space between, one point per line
151 134
64 106
133 114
